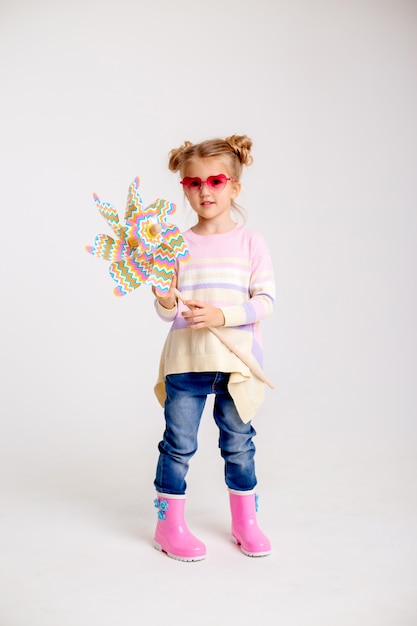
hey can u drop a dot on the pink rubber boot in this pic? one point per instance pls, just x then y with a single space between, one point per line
172 535
245 530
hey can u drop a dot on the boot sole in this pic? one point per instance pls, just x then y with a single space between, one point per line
187 559
246 552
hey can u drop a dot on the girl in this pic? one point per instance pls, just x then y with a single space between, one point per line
228 282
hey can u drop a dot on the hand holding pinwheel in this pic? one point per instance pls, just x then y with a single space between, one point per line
145 249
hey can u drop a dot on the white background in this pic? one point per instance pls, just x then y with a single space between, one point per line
93 94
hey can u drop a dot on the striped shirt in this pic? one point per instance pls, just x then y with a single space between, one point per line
232 271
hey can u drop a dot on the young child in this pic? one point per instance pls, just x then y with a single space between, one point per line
229 283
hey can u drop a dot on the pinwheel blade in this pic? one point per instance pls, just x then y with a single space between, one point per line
129 274
175 241
163 269
134 206
111 216
105 247
161 208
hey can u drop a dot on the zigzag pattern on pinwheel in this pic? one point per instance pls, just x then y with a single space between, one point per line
129 275
163 269
134 206
143 253
175 240
162 208
107 248
111 216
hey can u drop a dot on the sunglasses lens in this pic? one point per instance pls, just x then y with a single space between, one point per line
217 182
191 183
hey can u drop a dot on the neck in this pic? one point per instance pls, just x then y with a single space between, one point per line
211 227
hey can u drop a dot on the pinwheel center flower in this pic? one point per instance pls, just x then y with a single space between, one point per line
154 229
149 232
133 242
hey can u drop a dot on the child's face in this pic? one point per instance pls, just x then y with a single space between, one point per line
211 204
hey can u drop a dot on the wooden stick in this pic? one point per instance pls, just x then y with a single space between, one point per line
251 364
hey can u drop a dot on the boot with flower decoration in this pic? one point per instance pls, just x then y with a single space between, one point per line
172 535
245 530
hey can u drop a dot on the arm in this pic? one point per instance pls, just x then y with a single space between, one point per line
166 306
257 289
261 288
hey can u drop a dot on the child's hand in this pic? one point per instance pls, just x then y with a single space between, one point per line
169 300
201 315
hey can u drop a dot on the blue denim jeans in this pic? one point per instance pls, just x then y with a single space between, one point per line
184 405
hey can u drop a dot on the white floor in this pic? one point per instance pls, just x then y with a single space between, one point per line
76 540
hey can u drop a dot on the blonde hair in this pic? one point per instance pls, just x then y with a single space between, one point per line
236 149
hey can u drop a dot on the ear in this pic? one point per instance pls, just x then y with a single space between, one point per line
236 189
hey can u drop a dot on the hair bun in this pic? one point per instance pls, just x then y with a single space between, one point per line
241 145
176 156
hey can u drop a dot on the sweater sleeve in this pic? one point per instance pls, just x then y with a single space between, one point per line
261 288
167 315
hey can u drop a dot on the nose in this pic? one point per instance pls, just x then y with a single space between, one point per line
202 185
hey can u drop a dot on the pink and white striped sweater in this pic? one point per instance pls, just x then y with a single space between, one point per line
232 271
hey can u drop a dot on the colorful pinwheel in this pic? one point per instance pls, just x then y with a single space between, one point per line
146 248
